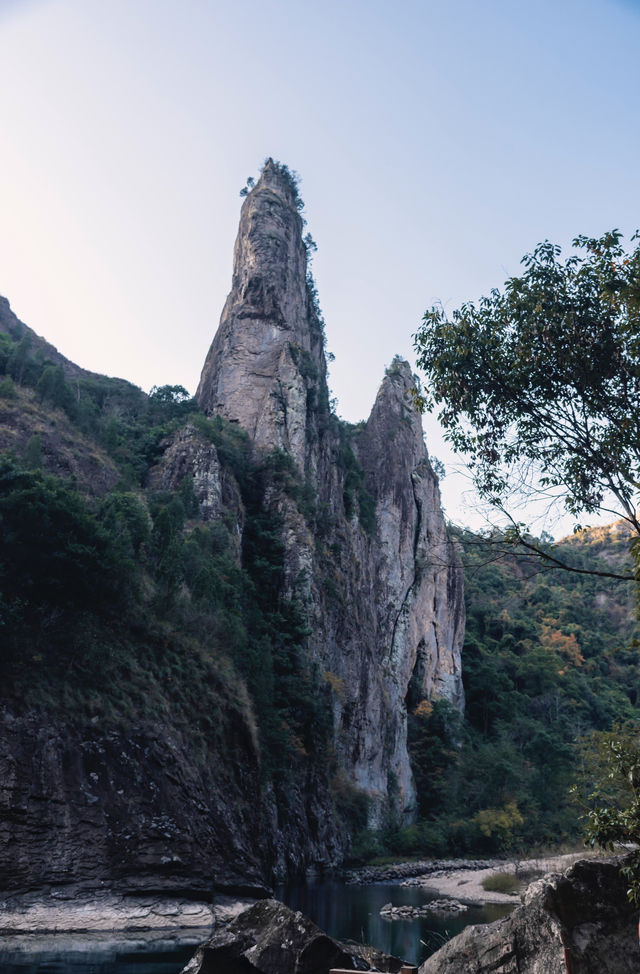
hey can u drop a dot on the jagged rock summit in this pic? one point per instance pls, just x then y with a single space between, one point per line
266 367
373 565
276 730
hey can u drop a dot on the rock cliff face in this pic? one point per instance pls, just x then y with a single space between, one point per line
266 366
363 563
132 812
373 564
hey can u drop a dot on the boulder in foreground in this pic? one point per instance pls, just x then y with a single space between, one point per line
579 922
271 939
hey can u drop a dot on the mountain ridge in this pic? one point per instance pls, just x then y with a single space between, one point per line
275 595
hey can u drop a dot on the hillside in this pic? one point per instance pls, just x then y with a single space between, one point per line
215 612
549 656
232 625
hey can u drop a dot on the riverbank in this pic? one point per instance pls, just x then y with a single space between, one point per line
65 910
62 911
462 879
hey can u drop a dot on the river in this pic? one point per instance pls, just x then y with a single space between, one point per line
345 912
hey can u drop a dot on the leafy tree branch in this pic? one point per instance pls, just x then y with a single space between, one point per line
539 385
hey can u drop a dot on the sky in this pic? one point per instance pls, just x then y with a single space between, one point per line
437 142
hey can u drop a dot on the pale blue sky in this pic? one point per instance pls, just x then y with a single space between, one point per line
437 142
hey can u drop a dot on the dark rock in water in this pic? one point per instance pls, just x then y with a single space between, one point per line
407 912
272 939
579 922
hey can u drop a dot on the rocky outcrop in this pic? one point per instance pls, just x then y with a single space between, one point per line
189 455
371 562
579 922
266 368
361 556
406 912
131 810
411 618
269 938
418 574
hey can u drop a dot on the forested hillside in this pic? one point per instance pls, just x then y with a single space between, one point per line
110 593
125 616
115 602
214 610
549 656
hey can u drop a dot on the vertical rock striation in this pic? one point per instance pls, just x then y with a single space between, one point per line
416 628
266 365
373 564
346 521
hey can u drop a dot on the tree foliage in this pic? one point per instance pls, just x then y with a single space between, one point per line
613 797
102 596
56 560
539 385
548 659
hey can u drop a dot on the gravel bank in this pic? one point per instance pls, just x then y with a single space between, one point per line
62 912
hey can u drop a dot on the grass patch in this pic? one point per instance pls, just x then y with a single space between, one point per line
501 883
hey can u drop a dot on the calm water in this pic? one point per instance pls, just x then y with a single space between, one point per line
99 953
353 913
345 912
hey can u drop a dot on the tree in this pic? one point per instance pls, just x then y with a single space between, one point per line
613 801
33 453
51 386
170 401
56 560
19 358
540 384
169 395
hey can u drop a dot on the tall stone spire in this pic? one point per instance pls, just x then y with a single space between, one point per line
369 559
266 362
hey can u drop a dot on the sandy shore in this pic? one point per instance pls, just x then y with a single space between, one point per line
466 884
62 911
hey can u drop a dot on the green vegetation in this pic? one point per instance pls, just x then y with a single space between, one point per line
128 607
132 594
501 883
539 386
355 496
549 658
609 792
292 179
125 422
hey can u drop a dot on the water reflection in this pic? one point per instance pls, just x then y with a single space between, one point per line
345 912
353 913
98 953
